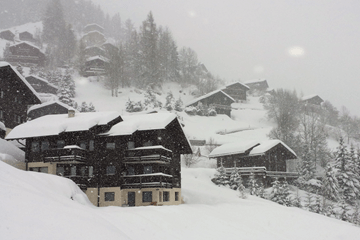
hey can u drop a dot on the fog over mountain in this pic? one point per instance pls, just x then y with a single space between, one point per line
311 46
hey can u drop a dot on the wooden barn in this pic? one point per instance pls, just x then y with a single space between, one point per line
117 161
260 85
312 99
16 95
25 52
236 90
41 85
47 108
7 35
220 100
26 36
269 159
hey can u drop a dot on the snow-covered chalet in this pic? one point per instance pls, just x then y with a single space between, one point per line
116 160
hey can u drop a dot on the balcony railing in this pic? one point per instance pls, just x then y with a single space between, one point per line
147 180
64 154
245 171
155 154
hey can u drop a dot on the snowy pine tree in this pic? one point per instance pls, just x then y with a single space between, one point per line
252 184
307 167
280 193
343 213
308 203
330 185
91 107
221 178
169 104
235 180
84 107
179 105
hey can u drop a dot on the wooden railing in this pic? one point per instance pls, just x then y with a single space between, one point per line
69 154
245 171
147 180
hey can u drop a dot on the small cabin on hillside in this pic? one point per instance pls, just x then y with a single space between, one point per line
16 95
116 160
312 99
95 66
41 85
260 85
109 48
47 108
25 52
220 100
26 36
7 35
269 159
236 90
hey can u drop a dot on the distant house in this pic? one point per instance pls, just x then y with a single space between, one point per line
93 51
93 38
258 85
269 159
312 99
109 48
47 108
220 100
93 27
25 52
116 160
41 85
7 35
26 36
236 90
16 95
95 66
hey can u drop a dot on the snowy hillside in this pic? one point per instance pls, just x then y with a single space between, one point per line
42 206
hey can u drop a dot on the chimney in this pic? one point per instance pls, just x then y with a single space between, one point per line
71 112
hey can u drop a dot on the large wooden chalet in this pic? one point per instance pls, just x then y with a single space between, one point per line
16 95
47 108
236 90
268 159
220 100
25 52
116 160
41 85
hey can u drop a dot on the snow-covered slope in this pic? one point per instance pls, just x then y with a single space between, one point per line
41 206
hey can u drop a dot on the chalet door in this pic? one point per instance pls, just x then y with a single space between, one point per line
131 199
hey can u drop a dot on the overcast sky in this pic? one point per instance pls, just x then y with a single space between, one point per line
312 46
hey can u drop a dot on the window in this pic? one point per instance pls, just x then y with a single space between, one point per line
73 170
147 169
131 171
15 100
83 145
166 196
91 171
60 171
147 196
110 145
91 145
1 114
60 144
45 145
109 196
110 170
82 171
35 147
39 169
1 94
131 145
176 196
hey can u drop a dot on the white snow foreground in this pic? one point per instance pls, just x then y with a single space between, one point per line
39 206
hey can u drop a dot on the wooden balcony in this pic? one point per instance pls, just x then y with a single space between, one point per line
64 154
261 171
152 154
147 180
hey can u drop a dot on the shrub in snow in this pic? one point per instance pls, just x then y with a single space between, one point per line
280 193
211 112
221 177
190 110
150 99
132 106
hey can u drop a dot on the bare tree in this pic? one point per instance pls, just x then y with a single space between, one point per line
211 144
191 159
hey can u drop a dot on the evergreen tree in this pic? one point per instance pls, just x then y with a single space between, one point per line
179 105
344 212
20 69
221 178
235 180
252 184
150 99
317 207
280 193
91 107
260 190
330 185
297 200
84 107
308 203
169 104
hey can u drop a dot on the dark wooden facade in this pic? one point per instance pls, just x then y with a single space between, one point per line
41 85
46 109
260 85
7 35
25 53
26 36
237 91
314 100
220 100
95 66
16 95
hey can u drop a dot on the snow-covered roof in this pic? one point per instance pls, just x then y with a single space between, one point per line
51 125
267 145
93 24
230 84
37 106
6 64
255 81
27 27
27 43
9 149
43 80
304 98
150 147
233 148
93 31
140 122
5 30
208 95
98 57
